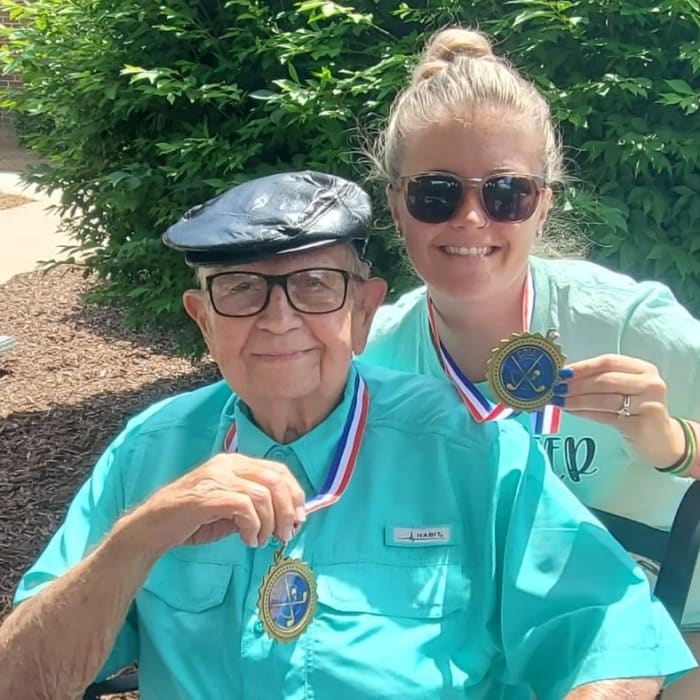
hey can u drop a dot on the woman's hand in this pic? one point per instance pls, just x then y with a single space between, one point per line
601 388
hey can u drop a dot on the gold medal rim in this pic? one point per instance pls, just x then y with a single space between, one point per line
271 577
505 348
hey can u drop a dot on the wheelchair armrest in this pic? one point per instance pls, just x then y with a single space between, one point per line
635 537
681 557
125 683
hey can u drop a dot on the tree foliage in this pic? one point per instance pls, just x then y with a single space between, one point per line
142 109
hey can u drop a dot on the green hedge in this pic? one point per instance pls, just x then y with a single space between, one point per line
142 109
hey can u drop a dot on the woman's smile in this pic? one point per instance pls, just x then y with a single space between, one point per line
469 252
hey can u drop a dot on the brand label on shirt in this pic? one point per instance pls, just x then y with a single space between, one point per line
440 534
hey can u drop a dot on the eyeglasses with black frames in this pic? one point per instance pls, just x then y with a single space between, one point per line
314 290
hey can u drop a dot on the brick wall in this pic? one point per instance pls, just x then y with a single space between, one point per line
11 80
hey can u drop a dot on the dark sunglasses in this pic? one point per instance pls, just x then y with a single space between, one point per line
435 197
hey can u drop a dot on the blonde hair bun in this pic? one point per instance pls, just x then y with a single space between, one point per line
446 46
449 43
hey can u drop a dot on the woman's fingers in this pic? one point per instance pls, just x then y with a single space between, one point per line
601 384
610 403
627 394
602 364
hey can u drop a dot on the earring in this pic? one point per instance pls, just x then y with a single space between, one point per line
539 233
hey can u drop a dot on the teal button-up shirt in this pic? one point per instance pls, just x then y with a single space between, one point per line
456 565
595 311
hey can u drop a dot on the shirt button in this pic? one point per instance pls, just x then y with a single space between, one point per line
278 454
258 628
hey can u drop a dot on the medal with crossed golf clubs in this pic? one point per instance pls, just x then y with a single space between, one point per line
524 368
287 598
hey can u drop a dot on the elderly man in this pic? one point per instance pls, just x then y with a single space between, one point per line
373 542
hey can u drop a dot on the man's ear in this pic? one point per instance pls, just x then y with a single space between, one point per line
369 298
197 308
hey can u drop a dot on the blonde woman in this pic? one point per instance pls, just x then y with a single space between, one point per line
470 155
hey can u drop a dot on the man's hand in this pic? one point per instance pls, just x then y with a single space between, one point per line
619 689
54 644
228 493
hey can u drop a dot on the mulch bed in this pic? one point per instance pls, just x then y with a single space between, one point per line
65 391
7 201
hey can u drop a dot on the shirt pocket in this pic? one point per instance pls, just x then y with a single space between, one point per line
414 591
389 631
189 584
185 612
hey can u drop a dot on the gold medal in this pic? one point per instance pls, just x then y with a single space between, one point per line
524 368
287 598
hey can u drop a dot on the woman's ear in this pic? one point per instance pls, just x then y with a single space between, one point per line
393 199
543 209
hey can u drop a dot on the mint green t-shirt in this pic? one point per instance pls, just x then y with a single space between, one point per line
456 565
595 311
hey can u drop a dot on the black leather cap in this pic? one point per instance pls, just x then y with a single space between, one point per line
273 215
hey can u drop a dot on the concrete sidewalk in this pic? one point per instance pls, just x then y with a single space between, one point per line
28 232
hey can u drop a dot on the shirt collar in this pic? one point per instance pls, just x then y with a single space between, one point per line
314 450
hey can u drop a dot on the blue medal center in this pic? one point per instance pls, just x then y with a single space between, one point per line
528 372
290 598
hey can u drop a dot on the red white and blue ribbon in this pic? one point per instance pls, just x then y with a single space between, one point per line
546 421
346 451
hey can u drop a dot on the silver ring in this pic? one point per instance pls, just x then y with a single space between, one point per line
624 411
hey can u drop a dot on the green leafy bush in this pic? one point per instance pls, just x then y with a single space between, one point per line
623 80
142 109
